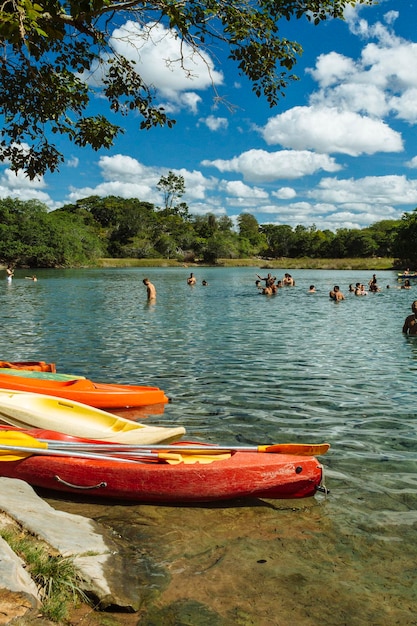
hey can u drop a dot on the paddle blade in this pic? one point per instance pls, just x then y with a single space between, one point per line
194 457
301 449
15 438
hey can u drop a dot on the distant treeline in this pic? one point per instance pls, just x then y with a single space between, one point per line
78 234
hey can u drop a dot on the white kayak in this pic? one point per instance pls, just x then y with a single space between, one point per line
34 410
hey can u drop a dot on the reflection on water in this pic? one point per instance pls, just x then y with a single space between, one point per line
241 367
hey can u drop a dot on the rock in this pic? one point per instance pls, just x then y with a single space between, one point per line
95 554
18 592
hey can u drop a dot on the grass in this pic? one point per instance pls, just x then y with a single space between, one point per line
371 263
55 576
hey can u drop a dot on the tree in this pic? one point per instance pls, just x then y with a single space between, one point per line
53 49
30 236
173 188
279 239
384 233
405 244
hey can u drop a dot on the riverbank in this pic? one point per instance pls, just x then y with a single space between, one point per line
302 263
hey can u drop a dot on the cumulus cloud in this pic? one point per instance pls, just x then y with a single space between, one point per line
126 177
127 169
263 166
359 104
285 193
165 63
238 189
382 81
215 123
113 188
412 162
73 162
18 185
378 190
14 180
326 215
329 130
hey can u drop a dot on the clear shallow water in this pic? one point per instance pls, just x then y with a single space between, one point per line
241 367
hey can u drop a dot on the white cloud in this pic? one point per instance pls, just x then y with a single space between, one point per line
326 215
391 16
166 63
126 177
262 166
196 184
72 162
331 69
382 81
330 130
376 190
127 169
412 162
284 193
405 106
215 123
19 180
20 186
240 190
123 176
113 188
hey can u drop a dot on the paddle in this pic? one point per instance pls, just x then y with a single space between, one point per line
14 442
301 449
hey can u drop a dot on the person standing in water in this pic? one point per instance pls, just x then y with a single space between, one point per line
150 289
191 280
336 295
410 322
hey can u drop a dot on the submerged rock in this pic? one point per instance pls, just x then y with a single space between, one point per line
95 554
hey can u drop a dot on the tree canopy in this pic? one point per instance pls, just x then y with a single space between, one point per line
52 49
78 234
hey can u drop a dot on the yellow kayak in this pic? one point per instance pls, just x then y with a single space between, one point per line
34 410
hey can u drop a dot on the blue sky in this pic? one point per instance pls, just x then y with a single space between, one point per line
339 150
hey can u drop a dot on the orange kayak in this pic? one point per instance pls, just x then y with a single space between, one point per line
35 366
99 395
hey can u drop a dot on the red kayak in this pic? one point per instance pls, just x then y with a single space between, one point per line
239 475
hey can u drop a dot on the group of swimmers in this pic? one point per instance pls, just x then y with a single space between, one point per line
10 275
151 290
191 280
272 285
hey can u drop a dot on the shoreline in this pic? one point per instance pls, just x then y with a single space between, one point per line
303 263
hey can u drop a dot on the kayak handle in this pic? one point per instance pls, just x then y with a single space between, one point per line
101 485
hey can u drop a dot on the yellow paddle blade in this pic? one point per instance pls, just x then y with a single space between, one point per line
302 449
16 438
196 458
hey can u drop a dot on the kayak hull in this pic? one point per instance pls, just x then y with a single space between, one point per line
99 395
35 366
242 475
33 410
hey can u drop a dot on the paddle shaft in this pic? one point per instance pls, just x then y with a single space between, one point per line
280 448
26 450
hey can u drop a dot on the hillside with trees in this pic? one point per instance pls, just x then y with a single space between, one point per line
94 227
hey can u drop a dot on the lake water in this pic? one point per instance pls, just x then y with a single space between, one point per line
240 367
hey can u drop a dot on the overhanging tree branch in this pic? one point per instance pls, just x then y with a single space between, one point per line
49 46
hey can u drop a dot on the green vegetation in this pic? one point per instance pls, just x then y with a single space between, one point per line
50 49
55 576
127 232
116 228
303 263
